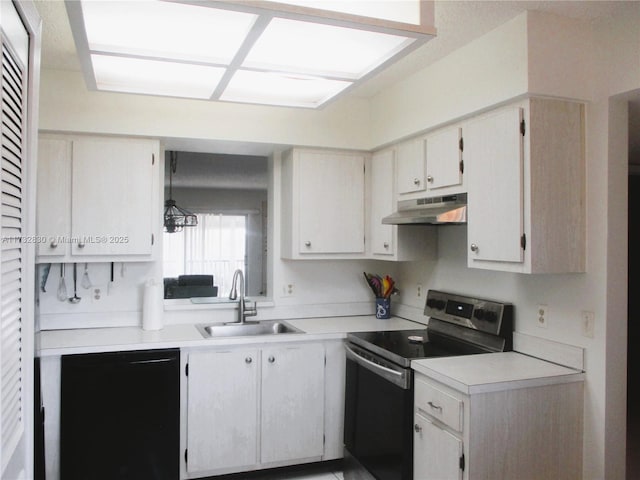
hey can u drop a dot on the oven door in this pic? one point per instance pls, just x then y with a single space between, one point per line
378 417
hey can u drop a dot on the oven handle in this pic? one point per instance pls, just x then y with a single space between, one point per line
398 378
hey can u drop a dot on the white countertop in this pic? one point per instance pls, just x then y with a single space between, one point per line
494 372
92 340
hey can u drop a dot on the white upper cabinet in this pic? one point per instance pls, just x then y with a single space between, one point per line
495 165
410 167
394 242
323 211
444 161
525 176
53 198
382 202
98 199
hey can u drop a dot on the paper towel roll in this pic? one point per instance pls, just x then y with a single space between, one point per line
152 306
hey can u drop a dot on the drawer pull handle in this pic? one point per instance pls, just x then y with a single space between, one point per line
434 406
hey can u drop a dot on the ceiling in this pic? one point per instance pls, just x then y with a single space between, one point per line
457 22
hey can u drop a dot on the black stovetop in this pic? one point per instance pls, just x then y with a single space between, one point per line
402 346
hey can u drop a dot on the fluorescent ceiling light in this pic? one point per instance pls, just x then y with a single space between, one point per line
257 52
304 47
281 89
165 30
404 11
153 77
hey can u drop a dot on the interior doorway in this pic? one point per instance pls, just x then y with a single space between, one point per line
633 299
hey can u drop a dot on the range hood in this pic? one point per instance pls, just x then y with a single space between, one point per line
445 210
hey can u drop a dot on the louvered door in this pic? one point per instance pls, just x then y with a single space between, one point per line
12 244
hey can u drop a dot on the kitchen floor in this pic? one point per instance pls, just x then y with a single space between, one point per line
323 471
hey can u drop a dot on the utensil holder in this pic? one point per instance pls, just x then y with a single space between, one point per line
383 308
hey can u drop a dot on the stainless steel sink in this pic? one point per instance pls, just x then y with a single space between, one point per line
247 329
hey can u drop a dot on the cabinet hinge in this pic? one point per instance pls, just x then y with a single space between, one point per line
185 455
461 166
153 159
523 241
462 462
186 370
522 128
461 144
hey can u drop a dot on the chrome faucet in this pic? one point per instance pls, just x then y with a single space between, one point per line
244 309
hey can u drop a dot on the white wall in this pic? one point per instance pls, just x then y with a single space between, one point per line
535 52
67 106
572 59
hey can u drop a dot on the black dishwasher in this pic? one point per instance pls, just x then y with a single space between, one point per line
119 416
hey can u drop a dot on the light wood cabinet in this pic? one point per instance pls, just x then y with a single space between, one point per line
222 409
410 168
97 199
254 408
444 163
323 211
526 188
394 242
505 423
292 420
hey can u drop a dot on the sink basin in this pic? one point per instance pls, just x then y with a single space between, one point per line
248 329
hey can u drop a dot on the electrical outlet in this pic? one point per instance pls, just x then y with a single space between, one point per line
288 289
543 316
98 293
419 290
588 320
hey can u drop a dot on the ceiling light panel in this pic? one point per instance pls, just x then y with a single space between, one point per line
165 30
327 50
281 89
153 77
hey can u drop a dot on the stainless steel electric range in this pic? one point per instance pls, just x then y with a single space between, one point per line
378 428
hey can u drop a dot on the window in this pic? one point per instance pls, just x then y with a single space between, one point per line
216 246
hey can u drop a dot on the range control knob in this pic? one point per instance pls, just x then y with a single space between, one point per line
436 304
479 313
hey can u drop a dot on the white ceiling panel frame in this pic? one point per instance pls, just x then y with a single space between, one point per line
410 37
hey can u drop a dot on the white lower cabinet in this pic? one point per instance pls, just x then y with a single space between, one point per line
254 407
292 413
504 430
439 452
222 409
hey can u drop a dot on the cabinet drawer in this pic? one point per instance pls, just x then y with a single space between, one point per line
438 404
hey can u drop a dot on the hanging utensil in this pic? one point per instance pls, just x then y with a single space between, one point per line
75 298
62 287
86 281
45 276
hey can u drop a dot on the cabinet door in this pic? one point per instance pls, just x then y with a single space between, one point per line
292 423
436 452
410 166
331 202
222 410
112 203
494 162
53 197
443 159
382 204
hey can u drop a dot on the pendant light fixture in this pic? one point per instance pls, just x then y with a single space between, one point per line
176 218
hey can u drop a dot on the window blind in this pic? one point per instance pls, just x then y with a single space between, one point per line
13 101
